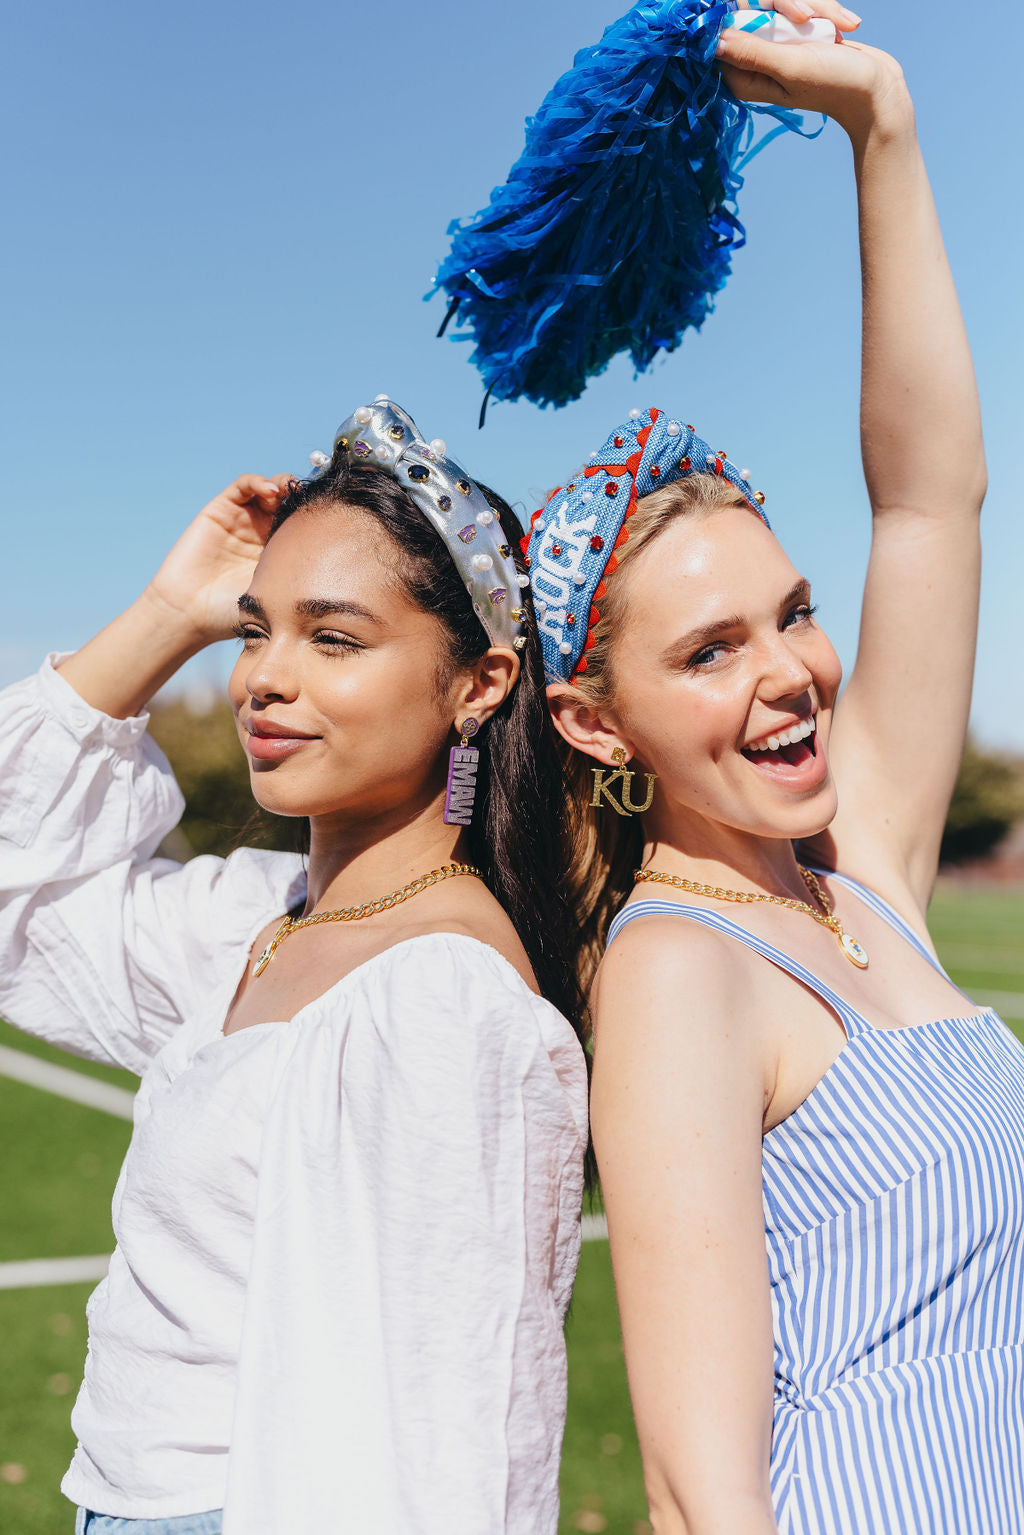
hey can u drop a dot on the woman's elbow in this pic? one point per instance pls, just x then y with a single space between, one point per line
707 1509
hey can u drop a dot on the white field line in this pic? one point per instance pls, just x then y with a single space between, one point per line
44 1271
75 1085
1009 1003
47 1271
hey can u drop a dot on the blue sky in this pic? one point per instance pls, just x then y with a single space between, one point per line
221 219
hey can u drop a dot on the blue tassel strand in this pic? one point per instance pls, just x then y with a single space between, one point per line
615 228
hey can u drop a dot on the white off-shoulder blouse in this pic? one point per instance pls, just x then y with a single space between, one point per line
345 1243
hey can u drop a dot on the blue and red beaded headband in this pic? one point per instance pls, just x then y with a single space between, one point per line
570 547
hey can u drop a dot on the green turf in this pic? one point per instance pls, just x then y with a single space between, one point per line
60 1161
42 1345
601 1473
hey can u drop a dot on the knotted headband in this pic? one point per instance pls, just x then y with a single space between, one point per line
384 436
571 544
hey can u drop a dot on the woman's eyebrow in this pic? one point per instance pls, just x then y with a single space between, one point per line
310 607
697 637
323 607
801 588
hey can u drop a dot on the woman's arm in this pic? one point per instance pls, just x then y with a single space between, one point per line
677 1105
103 949
190 603
899 730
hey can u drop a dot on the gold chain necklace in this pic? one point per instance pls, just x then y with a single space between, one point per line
356 913
854 951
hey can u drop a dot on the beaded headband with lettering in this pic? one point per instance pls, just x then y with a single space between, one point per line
571 544
383 435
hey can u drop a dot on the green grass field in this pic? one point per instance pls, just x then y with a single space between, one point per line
60 1161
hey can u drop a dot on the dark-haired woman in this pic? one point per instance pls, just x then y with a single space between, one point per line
347 1222
811 1143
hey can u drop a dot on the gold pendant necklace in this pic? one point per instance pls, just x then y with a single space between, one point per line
356 913
854 951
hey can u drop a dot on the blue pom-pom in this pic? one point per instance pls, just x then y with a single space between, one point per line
616 225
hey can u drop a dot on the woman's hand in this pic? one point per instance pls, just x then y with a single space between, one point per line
209 567
191 601
858 86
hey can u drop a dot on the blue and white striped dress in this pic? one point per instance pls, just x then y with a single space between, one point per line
894 1223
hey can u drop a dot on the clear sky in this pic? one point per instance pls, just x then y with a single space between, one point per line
221 218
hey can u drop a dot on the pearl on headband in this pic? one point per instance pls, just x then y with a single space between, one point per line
385 437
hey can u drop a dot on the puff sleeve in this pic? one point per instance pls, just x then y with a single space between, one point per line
104 949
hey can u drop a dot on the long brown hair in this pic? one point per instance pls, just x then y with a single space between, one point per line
609 847
521 833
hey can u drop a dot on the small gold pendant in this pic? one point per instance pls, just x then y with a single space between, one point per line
265 958
855 952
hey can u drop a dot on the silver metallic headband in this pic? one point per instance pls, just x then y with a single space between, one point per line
383 435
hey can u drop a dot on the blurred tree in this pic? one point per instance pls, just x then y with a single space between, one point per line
987 800
203 747
220 812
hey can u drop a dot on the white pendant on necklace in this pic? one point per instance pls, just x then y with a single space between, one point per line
264 959
855 952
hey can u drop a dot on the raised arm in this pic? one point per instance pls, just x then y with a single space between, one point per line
676 1107
899 730
103 948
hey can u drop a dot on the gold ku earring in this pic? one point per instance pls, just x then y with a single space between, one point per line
605 781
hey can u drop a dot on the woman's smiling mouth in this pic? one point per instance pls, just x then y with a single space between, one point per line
270 742
791 755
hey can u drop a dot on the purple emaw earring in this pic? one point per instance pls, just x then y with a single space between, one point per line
463 761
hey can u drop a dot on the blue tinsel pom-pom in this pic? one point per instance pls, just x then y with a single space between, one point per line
615 226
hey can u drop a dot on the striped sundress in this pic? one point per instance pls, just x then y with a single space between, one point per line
894 1222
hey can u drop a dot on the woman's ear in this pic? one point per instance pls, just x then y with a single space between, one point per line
482 691
592 731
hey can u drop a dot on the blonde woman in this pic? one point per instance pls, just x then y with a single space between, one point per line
811 1144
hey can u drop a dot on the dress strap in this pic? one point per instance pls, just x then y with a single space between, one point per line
852 1021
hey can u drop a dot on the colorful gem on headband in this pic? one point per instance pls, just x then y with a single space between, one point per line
386 436
571 546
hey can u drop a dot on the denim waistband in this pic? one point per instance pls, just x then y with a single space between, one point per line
184 1524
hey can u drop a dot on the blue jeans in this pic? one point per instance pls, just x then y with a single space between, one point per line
184 1524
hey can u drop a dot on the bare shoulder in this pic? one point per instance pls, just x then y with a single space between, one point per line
666 967
673 1012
